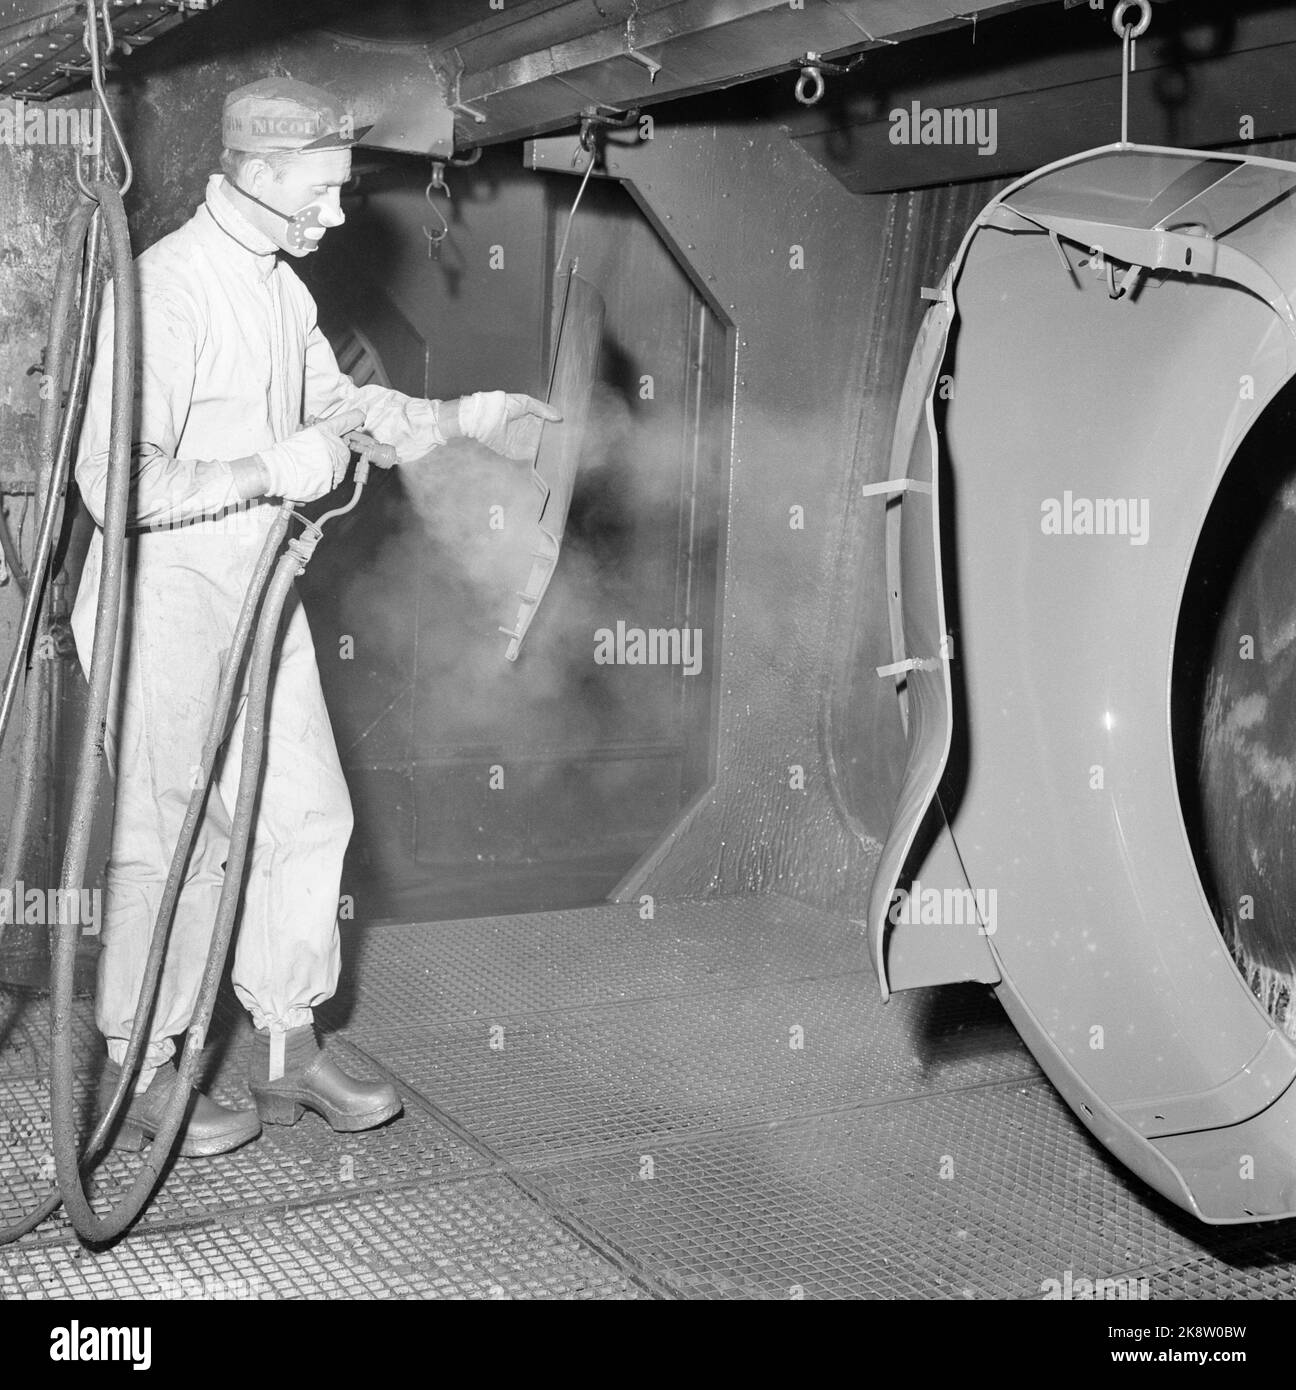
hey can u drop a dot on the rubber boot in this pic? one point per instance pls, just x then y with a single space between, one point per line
208 1128
313 1081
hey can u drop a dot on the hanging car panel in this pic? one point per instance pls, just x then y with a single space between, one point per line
1110 349
579 340
920 668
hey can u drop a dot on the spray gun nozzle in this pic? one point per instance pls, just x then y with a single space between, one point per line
361 441
369 449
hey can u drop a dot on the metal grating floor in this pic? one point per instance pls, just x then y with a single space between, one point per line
713 1104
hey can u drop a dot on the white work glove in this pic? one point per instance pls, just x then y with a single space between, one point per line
312 462
505 421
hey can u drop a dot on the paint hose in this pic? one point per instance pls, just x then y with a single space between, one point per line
78 257
216 735
90 752
111 212
91 1227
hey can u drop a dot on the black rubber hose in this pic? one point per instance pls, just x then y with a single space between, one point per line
216 734
116 505
89 1226
82 225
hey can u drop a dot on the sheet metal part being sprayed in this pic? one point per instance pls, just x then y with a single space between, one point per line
577 342
553 474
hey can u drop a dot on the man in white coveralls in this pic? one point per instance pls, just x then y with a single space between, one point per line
232 365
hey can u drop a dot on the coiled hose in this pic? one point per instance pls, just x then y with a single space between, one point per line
89 1226
67 1165
216 735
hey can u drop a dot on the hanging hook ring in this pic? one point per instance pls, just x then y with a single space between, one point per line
437 180
810 85
1137 29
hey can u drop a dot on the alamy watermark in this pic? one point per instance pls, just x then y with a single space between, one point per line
945 907
210 1288
1122 1288
916 124
46 907
653 646
36 125
1069 515
91 1343
248 516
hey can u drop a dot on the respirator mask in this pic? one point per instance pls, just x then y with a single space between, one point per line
305 219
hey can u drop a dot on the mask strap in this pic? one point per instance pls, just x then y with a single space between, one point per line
299 222
252 198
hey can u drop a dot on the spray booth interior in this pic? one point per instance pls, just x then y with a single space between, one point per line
829 837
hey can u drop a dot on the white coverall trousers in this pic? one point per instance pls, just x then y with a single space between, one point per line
180 626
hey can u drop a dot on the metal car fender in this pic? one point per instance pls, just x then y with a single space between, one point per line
1096 324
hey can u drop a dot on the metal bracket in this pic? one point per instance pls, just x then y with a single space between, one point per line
913 663
894 486
592 119
920 663
645 61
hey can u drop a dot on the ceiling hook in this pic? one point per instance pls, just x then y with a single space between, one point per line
90 40
437 182
810 84
1128 33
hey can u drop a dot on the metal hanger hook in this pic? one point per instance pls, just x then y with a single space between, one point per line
1128 33
437 181
91 42
1137 29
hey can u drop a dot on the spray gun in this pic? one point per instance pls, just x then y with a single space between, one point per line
370 451
362 443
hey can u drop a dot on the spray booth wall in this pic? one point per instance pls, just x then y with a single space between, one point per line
795 322
480 784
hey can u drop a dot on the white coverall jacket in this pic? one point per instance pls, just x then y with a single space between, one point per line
231 361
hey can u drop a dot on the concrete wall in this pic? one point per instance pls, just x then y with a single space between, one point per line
36 192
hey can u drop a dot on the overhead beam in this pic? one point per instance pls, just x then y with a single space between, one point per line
637 55
1197 84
